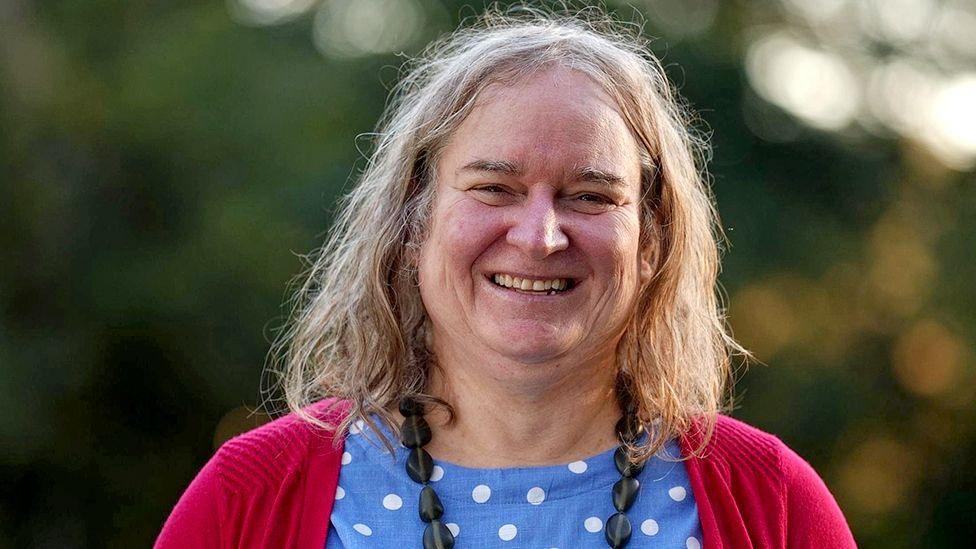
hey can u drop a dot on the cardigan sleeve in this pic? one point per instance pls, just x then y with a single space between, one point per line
270 487
813 518
196 520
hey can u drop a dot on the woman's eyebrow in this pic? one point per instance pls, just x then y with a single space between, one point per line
585 174
503 167
590 174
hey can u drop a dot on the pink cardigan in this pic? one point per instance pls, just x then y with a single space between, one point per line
274 487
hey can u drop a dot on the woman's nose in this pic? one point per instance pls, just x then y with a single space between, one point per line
536 228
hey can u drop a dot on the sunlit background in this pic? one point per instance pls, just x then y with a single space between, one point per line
166 163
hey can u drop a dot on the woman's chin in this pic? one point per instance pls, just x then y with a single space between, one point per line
533 346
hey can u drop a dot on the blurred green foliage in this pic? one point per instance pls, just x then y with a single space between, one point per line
166 163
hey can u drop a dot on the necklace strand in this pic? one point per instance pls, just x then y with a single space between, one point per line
415 433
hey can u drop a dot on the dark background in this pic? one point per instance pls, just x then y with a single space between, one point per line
166 163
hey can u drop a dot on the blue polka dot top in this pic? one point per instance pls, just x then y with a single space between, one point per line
558 506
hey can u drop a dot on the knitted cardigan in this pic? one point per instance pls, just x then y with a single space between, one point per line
275 486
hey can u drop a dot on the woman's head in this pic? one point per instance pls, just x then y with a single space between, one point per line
540 185
361 329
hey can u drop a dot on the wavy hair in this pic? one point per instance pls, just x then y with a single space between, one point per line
358 326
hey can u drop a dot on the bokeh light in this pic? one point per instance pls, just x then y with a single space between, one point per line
903 65
901 267
816 86
879 475
953 121
268 12
927 359
681 19
896 21
356 28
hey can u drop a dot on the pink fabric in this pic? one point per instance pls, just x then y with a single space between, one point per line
754 491
271 487
275 486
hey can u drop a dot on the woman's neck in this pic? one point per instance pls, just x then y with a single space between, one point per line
511 414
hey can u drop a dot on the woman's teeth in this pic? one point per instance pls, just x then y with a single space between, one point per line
530 284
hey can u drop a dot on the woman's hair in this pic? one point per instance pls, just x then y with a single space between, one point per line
358 328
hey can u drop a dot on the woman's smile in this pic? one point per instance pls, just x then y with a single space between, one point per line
532 284
532 290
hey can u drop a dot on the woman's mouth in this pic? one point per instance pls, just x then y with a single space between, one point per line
537 286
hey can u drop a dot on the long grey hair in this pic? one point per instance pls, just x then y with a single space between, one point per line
358 329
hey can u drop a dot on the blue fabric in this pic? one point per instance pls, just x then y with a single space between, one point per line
559 506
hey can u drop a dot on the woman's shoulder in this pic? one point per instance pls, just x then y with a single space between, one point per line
750 449
757 474
739 449
274 450
734 440
261 472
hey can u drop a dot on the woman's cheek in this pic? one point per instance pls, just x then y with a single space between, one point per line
472 228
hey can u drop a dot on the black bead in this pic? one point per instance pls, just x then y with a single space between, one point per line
419 465
414 432
438 536
624 493
431 507
629 429
622 460
618 530
410 407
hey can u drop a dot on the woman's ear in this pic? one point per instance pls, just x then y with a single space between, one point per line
650 252
648 263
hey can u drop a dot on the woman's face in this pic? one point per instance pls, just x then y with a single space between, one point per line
541 183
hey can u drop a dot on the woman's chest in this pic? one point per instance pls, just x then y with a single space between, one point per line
546 507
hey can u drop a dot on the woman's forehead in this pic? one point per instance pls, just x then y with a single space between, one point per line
558 116
555 94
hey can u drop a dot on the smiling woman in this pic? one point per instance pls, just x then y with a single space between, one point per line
512 333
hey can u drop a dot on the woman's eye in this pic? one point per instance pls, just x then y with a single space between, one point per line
592 203
493 195
491 189
589 197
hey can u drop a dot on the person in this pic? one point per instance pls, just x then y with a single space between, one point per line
512 335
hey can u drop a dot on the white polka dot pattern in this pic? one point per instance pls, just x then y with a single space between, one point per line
436 473
578 467
536 496
392 502
539 506
481 493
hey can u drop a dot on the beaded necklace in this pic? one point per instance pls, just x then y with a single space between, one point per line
415 433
